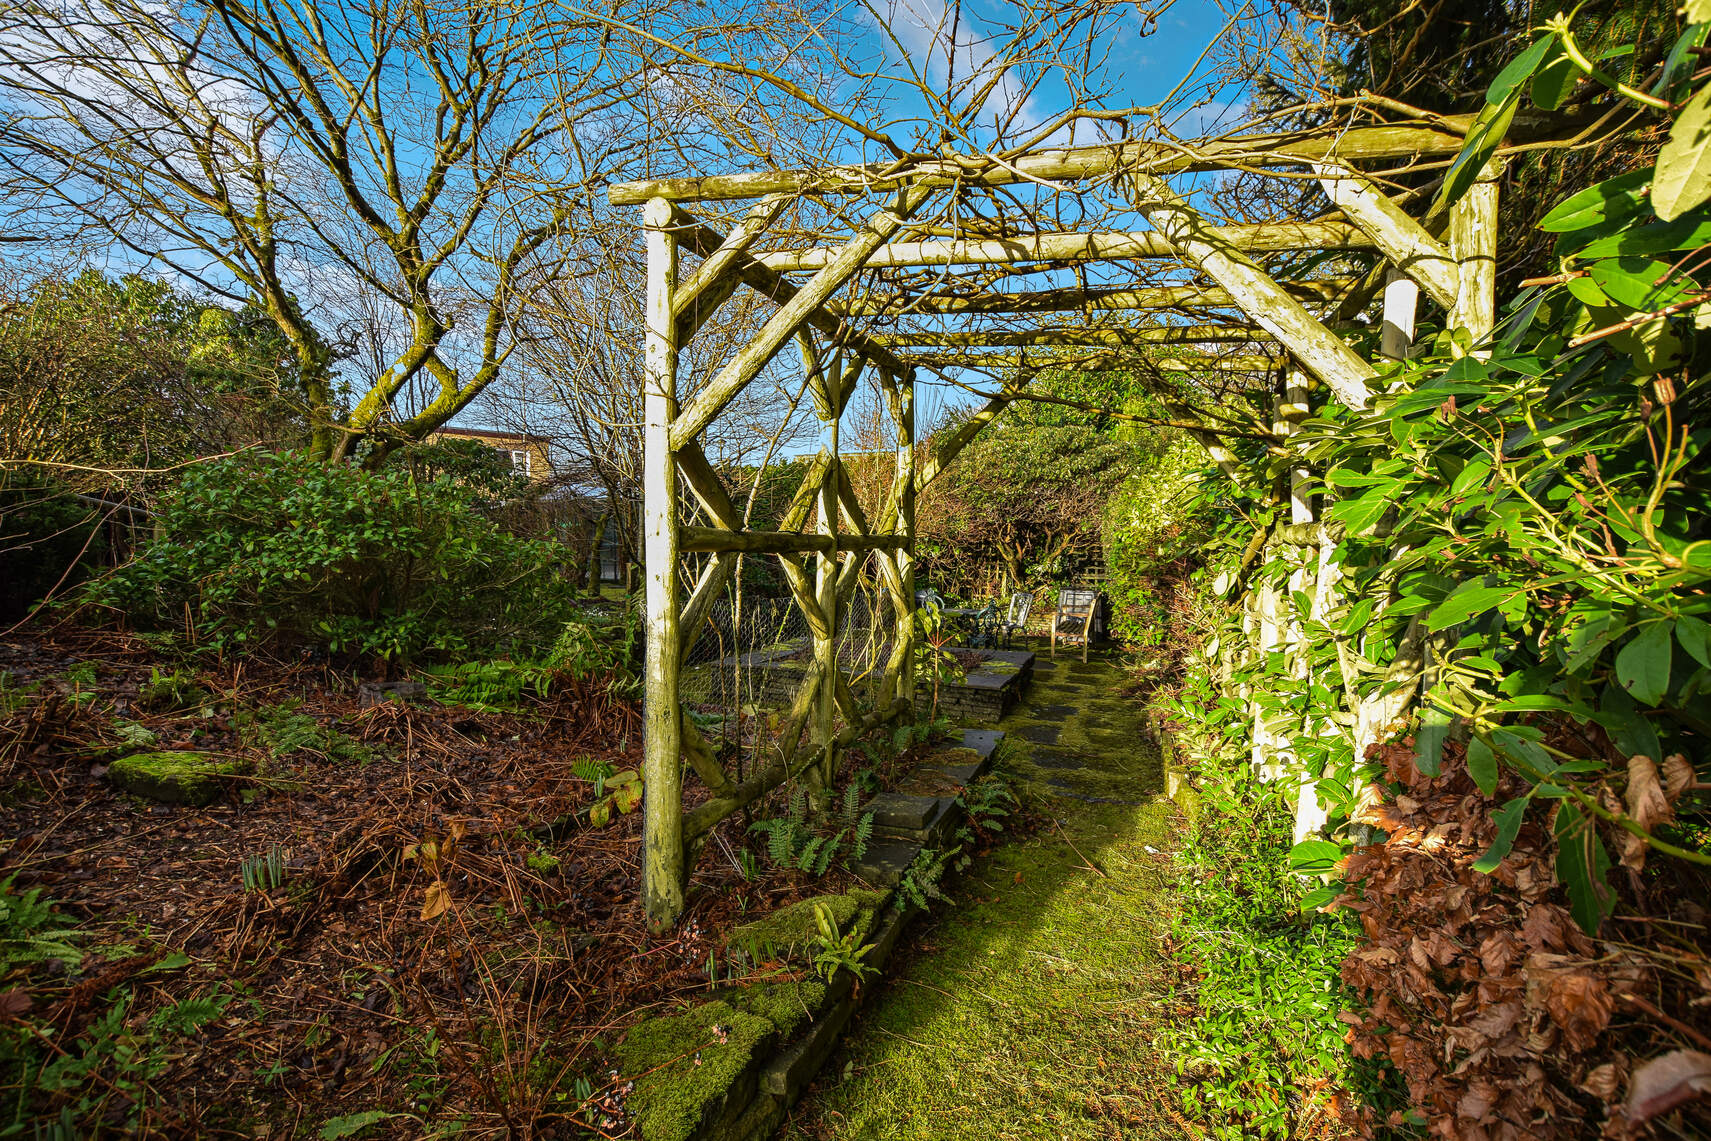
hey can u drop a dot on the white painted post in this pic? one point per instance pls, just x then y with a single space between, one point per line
905 554
1401 302
1293 411
662 771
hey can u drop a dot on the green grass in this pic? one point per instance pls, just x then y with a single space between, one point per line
1027 1010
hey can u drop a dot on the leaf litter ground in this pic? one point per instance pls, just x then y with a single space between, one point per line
341 1003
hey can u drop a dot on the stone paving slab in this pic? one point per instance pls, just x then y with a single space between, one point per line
887 860
901 811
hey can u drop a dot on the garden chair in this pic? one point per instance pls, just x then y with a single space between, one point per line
983 627
1072 622
1016 617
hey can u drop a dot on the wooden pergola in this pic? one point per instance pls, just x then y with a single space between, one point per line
826 537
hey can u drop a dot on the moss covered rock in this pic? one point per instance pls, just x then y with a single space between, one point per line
787 1005
697 1068
173 777
787 932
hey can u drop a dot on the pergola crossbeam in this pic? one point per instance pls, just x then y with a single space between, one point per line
1081 300
1109 336
712 539
1266 237
1096 358
1401 142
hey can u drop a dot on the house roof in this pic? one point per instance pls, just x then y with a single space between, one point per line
490 434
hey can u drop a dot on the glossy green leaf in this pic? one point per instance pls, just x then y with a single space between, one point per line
1483 139
1694 634
1519 70
1320 896
1642 666
1586 291
1678 66
1508 820
1359 515
1614 199
1553 82
1683 178
1688 232
1586 643
1632 731
1521 746
1582 864
1429 738
1469 600
1482 765
1314 857
1471 477
1635 282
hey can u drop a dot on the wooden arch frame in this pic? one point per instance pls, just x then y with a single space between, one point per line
1456 271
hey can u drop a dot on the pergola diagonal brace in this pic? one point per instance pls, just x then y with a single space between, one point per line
1400 238
784 324
1268 304
699 295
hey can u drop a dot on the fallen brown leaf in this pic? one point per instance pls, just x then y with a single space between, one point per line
1665 1082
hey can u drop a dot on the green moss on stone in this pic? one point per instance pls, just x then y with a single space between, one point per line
787 1005
693 1073
173 777
1001 668
789 930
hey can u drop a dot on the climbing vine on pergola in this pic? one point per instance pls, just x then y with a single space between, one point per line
823 310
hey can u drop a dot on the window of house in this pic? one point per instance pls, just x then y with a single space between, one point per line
520 461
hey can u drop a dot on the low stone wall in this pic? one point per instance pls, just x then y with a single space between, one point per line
731 1068
985 694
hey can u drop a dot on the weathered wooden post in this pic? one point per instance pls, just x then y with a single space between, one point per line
904 553
662 773
826 578
1473 244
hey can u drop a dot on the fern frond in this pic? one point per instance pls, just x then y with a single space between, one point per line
863 833
827 852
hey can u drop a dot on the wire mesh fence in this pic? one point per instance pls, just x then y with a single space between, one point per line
754 647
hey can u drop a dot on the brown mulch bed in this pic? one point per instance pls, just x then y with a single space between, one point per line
1503 1017
450 945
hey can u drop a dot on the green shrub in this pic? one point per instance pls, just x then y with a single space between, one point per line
283 548
46 534
1264 1046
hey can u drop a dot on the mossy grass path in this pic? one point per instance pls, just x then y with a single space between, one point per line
1026 1010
